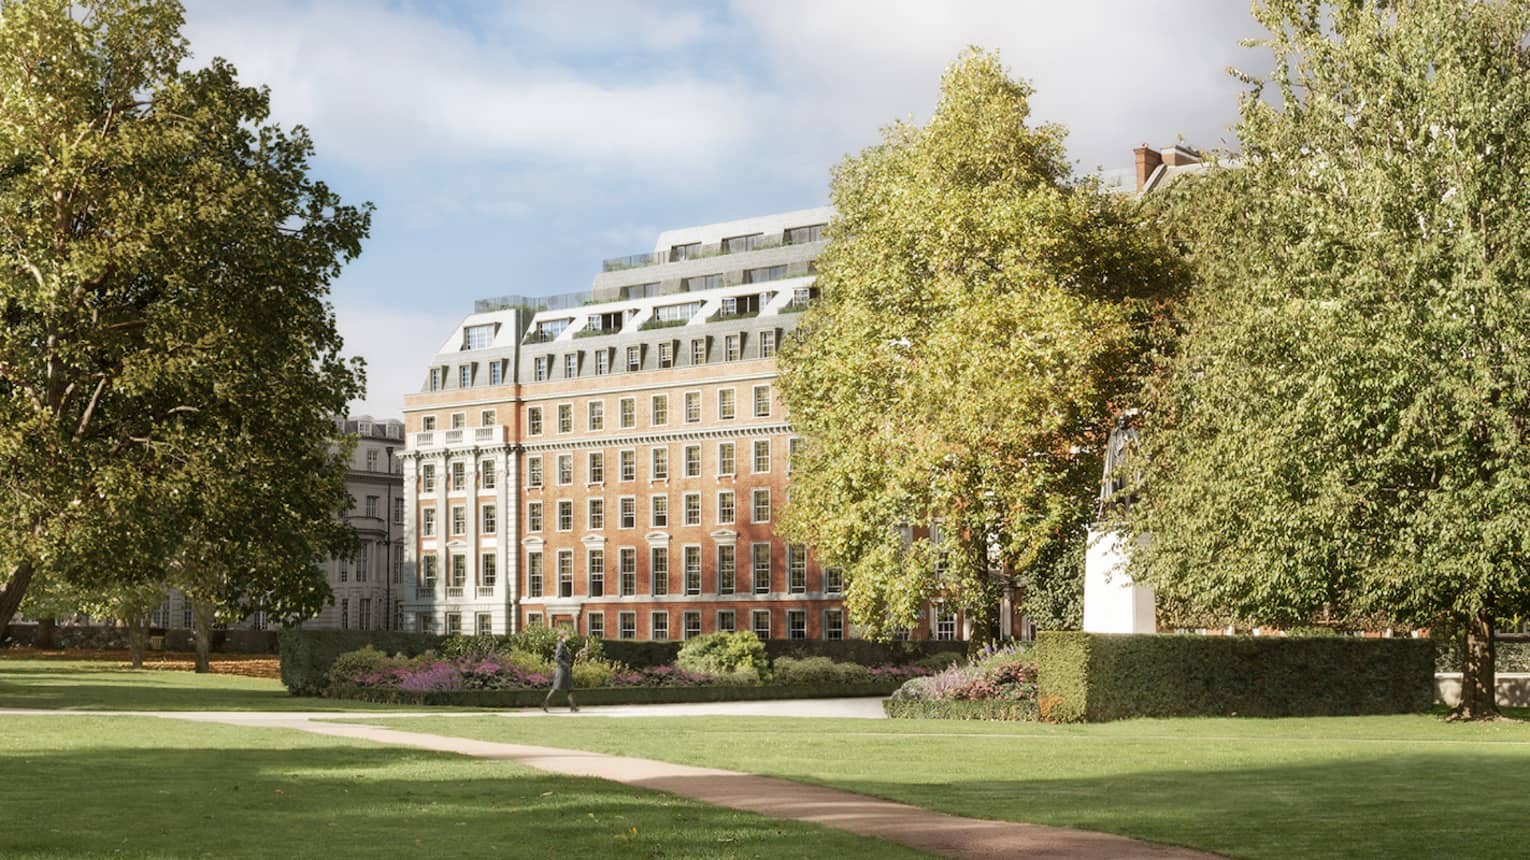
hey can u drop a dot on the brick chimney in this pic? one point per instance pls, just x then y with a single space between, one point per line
1179 156
1148 160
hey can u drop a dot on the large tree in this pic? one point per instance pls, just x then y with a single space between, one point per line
981 317
165 260
1344 434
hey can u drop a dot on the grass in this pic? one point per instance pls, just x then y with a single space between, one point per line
93 686
1398 786
92 785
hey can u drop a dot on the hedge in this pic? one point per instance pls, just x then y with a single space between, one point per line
616 695
1095 677
863 651
960 709
308 654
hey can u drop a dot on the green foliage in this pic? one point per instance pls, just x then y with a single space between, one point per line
982 317
1342 433
1099 677
307 655
363 661
938 661
624 695
815 671
740 654
543 641
169 364
963 709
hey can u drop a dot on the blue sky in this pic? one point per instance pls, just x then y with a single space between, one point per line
509 147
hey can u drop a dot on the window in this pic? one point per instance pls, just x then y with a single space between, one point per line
486 418
345 614
364 616
597 415
764 273
693 461
742 243
428 423
398 511
634 359
688 251
724 507
571 365
727 569
595 572
732 350
363 562
792 445
796 624
595 625
692 407
424 623
478 336
490 520
701 282
691 509
796 569
459 476
534 421
458 573
658 569
692 562
428 572
459 420
628 513
565 573
761 401
945 623
436 383
595 468
496 372
658 506
767 344
533 516
595 514
761 506
428 522
488 571
534 471
371 505
759 622
726 621
699 351
565 417
834 624
659 622
726 408
371 459
565 469
725 458
533 619
628 560
602 362
803 235
659 413
483 624
465 376
761 456
534 574
542 368
486 476
627 625
666 354
691 621
565 515
660 464
628 462
760 564
343 565
628 410
833 580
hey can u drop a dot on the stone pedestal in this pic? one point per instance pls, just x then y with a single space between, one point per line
1112 602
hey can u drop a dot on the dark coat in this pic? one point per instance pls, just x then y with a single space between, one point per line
563 679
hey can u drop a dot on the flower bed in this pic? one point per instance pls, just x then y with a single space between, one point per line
640 695
998 684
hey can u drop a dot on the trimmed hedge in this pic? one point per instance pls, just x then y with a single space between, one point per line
863 651
617 695
308 654
960 709
1096 677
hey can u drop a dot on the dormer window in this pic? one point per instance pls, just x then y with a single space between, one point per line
742 243
465 376
768 273
478 336
689 251
804 235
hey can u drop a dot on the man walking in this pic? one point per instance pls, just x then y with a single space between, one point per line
563 679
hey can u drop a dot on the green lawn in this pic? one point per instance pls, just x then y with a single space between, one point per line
97 785
91 686
1403 786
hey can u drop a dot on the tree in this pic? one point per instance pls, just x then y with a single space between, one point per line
164 266
1344 432
982 316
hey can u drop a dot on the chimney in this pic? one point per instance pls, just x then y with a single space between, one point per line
1148 160
1178 156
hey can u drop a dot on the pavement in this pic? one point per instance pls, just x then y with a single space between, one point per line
933 832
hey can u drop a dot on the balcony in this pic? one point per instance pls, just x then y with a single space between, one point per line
454 591
425 592
485 591
461 437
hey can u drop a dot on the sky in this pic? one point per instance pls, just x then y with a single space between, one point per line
510 147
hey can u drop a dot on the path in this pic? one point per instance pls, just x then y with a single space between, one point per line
922 829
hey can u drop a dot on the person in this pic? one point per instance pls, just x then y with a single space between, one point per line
563 679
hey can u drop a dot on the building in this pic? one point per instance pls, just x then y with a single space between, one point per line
366 587
615 460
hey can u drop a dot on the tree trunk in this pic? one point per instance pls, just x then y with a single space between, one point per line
47 634
15 589
1479 699
201 620
138 636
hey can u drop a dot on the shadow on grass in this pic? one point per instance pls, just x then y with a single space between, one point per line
94 688
360 802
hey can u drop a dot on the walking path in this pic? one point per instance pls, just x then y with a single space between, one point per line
934 832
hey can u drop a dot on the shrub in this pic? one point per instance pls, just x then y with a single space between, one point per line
811 671
738 655
366 666
659 676
997 674
307 655
543 641
939 662
473 646
945 709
